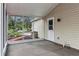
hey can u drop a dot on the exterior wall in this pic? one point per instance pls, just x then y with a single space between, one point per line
68 28
39 27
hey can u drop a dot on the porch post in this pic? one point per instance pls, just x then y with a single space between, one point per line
1 28
33 30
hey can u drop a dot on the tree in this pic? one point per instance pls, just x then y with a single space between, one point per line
14 25
19 25
27 23
11 24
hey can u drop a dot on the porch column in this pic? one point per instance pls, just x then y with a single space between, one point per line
32 30
1 28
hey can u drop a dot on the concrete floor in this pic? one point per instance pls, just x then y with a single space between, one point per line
40 48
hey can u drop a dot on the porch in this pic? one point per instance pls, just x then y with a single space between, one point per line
57 23
40 48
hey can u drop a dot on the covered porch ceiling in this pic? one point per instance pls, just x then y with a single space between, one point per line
30 9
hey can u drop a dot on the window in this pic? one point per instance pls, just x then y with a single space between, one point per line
50 24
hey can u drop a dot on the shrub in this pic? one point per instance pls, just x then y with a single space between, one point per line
13 33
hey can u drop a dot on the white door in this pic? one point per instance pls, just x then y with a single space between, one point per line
50 28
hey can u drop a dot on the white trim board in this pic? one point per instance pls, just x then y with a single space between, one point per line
5 49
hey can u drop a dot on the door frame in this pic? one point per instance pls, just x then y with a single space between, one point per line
48 26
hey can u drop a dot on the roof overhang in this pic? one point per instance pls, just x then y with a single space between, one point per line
30 9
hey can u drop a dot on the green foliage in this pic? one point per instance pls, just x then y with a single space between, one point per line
11 24
14 26
13 33
17 34
19 25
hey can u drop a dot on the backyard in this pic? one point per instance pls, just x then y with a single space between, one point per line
19 27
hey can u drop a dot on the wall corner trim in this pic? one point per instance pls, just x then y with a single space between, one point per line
5 49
